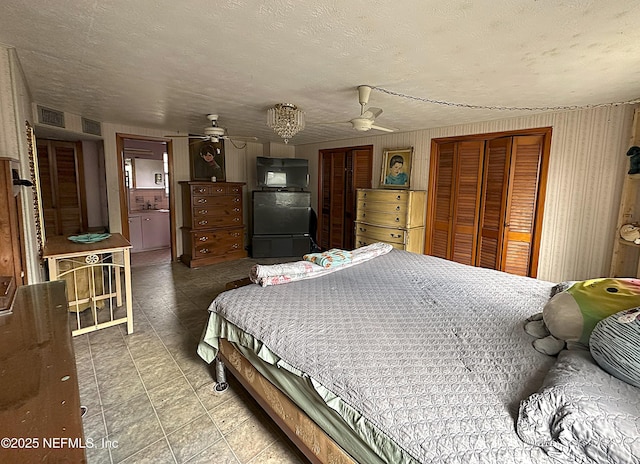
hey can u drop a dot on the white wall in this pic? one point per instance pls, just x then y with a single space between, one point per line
586 168
94 179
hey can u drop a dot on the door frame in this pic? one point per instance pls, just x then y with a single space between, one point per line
124 210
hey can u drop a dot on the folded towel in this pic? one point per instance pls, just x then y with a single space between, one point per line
277 274
331 258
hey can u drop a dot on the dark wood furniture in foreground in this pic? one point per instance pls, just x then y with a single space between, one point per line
39 399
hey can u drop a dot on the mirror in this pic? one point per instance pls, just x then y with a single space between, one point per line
146 173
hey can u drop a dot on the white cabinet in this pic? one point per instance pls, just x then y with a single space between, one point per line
155 230
135 233
149 230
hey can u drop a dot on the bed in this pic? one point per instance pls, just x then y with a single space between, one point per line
408 358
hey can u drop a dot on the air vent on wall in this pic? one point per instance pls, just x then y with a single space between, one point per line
50 117
91 127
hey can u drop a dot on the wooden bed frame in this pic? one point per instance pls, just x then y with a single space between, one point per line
308 437
305 434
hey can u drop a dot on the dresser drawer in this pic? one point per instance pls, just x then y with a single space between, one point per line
220 200
217 219
380 234
217 242
363 240
383 219
385 196
212 189
393 206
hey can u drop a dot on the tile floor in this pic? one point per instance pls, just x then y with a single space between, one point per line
149 396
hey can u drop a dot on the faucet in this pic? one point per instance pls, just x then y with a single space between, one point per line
148 205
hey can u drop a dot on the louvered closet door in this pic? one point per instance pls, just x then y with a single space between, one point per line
64 210
522 204
343 171
496 175
358 175
442 214
468 169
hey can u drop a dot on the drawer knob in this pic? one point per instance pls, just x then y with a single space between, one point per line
205 250
235 246
363 229
236 200
236 209
203 211
395 235
398 197
201 190
204 238
219 190
203 222
202 200
398 208
397 219
235 234
235 219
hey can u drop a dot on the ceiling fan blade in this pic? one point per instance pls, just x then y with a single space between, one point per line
202 137
384 129
329 122
240 138
372 113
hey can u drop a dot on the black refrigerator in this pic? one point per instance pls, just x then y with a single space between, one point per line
281 221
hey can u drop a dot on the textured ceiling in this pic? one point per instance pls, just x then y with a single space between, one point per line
166 64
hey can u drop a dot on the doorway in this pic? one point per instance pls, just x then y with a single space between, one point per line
147 201
342 172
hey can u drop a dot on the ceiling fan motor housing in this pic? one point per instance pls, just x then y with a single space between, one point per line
361 124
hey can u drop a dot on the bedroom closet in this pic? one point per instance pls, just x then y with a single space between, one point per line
342 171
62 187
486 199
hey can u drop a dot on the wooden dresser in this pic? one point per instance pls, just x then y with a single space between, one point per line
396 217
213 227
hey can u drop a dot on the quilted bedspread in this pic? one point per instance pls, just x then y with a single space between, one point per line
432 353
584 412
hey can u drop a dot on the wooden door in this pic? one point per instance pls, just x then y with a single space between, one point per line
342 171
441 181
468 183
62 187
522 205
486 199
496 176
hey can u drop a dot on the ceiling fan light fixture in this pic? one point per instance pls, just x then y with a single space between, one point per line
286 120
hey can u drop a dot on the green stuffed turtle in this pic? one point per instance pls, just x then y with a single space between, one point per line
571 314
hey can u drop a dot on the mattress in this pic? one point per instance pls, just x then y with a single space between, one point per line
424 358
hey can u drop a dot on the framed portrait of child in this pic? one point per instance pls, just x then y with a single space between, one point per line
207 161
396 168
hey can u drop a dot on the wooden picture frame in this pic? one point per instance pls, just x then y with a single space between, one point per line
207 161
396 168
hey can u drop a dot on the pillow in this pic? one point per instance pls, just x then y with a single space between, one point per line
572 314
615 345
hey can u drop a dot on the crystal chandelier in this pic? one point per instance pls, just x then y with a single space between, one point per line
286 120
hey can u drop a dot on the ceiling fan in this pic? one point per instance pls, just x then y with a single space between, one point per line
367 118
215 133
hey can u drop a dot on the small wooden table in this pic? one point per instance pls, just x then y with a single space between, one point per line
91 271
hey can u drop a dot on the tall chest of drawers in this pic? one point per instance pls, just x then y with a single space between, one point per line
396 217
213 227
